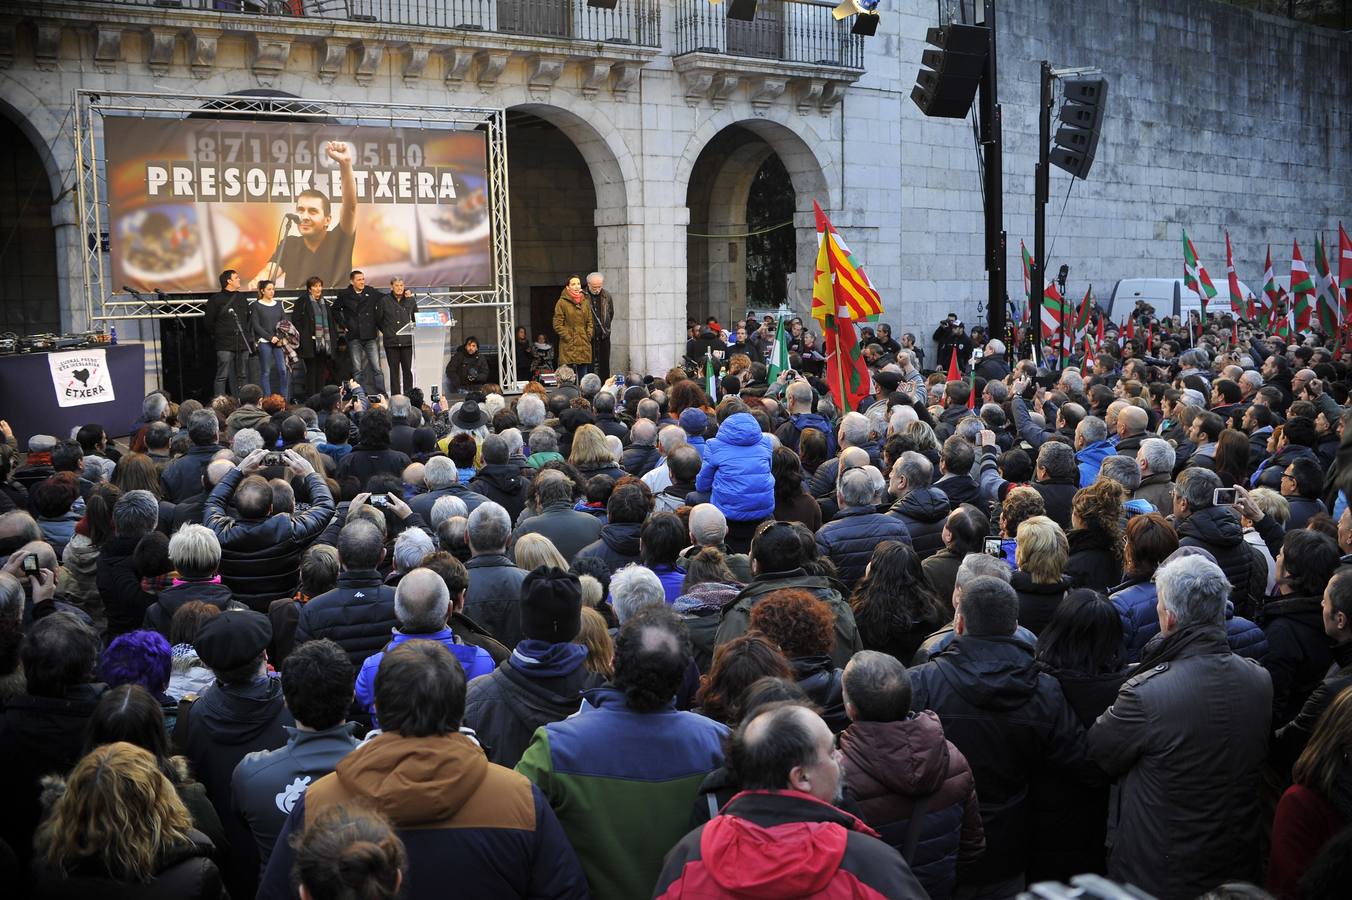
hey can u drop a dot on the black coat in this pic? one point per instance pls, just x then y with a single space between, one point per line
638 460
226 329
1037 602
124 602
924 510
960 489
1217 530
183 872
1092 563
1013 723
38 736
505 707
393 314
357 615
1056 497
260 558
616 545
493 598
303 317
160 614
356 311
821 681
504 484
1299 652
1071 819
363 462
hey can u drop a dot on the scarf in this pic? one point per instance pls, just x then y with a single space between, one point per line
541 659
576 297
214 579
322 326
1172 647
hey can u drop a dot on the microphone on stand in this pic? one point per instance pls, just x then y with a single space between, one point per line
136 294
292 217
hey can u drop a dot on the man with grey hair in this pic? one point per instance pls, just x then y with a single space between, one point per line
668 439
494 580
709 528
530 412
1091 446
850 538
553 516
182 478
445 508
856 430
422 603
134 516
1218 530
1187 739
410 549
1156 460
602 313
590 385
359 613
1013 729
641 454
603 404
921 507
246 441
403 422
973 565
443 480
16 529
1123 471
632 588
798 396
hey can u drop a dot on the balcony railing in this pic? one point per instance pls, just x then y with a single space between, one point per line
797 31
632 22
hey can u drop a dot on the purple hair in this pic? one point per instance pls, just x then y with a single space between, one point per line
138 657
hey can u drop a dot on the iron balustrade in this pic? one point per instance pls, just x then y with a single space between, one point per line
797 31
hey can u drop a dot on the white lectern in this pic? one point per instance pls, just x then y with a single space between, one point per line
431 330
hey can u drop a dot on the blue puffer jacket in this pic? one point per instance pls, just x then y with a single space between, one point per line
1136 604
850 538
1090 458
736 470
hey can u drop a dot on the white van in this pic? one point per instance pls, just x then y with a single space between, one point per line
1170 297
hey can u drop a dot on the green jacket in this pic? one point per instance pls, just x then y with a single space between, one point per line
737 614
622 805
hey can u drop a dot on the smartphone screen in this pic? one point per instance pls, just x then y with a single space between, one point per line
1224 496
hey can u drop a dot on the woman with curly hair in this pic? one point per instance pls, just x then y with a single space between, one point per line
1096 536
736 666
117 823
803 627
895 606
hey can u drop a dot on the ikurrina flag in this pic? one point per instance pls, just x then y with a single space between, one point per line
841 296
1345 270
1302 286
1195 277
1270 294
1237 304
1326 291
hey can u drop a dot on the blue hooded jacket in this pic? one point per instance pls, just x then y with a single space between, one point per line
810 420
1090 458
736 470
475 661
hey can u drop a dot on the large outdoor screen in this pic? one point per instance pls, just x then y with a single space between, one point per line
191 198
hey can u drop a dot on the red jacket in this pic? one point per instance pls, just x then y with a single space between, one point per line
784 844
1304 823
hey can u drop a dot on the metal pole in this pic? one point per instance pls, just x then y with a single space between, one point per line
1041 187
996 291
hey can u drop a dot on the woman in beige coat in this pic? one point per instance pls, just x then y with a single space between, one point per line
573 324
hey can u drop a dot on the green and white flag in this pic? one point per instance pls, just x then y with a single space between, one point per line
779 353
710 378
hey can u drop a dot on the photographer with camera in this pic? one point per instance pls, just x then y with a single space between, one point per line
951 337
467 370
260 550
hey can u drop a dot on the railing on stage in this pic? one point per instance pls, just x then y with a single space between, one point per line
796 31
636 22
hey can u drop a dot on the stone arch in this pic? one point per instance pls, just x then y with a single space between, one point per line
716 172
793 141
611 165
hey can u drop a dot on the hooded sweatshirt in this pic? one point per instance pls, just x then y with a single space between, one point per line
229 722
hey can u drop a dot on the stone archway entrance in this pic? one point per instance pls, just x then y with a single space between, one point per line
30 300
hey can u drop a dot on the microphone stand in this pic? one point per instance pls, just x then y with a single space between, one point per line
282 230
239 329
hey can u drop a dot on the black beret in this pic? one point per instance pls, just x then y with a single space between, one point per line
232 639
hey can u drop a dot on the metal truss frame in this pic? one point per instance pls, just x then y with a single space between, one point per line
102 304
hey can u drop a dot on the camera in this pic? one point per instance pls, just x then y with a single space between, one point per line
1224 496
977 353
381 500
30 564
619 379
273 459
992 548
436 393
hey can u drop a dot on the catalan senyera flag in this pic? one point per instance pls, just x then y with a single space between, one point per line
841 295
1302 286
1195 277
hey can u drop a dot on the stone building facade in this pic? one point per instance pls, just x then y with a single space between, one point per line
631 129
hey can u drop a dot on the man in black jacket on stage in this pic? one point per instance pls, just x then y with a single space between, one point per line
227 312
356 307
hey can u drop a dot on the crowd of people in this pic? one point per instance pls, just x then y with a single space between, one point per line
623 639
